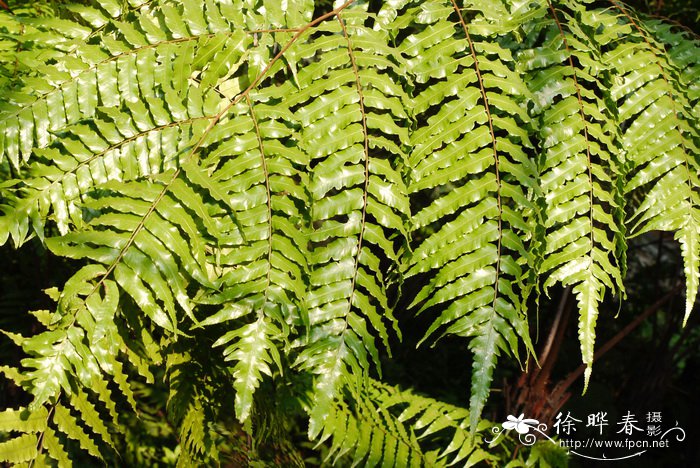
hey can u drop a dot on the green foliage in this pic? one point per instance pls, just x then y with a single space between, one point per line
246 185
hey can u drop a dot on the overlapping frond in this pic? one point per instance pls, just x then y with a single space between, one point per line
73 362
388 426
253 176
351 111
129 185
192 391
70 89
579 161
124 108
369 435
470 159
658 100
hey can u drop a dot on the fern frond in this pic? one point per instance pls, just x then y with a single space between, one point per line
369 435
260 257
134 62
579 165
20 449
469 158
55 448
92 418
661 138
254 352
134 132
23 420
68 424
194 433
388 426
79 350
359 202
246 186
199 399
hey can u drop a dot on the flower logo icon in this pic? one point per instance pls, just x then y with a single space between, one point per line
519 424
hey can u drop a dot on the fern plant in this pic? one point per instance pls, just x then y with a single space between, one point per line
246 185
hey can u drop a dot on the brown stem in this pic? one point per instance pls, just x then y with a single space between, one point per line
560 321
571 378
279 30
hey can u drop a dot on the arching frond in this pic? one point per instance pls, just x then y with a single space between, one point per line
354 131
659 111
470 158
579 164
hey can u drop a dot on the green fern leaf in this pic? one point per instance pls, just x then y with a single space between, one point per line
19 449
263 177
464 158
23 420
254 353
370 434
579 139
55 448
661 140
91 417
68 424
354 209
